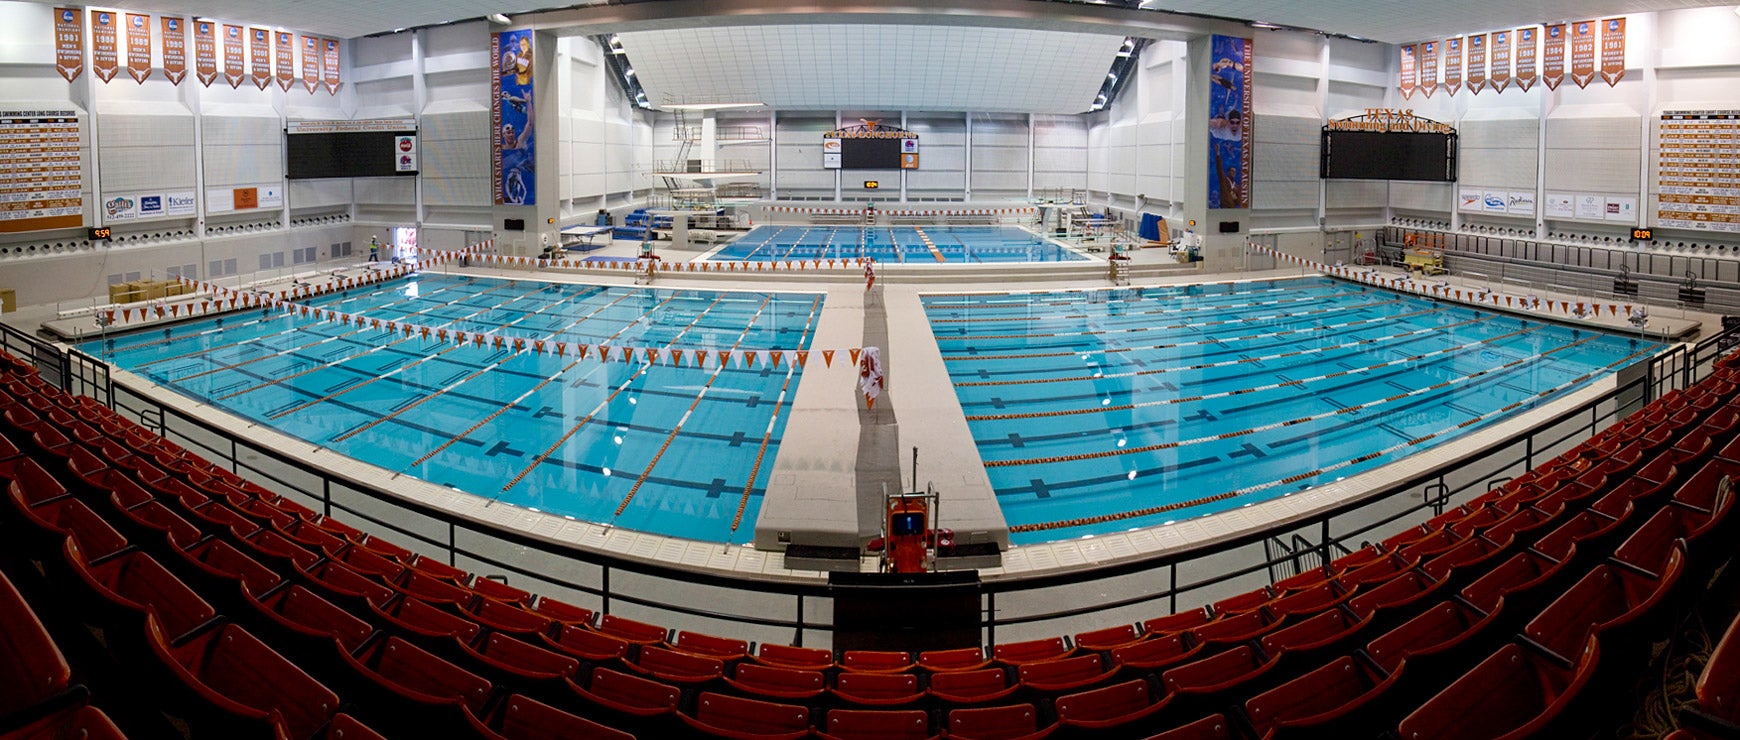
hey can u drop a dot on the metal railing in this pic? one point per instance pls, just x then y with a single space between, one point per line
800 612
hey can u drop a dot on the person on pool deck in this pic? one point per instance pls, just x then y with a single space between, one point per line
374 248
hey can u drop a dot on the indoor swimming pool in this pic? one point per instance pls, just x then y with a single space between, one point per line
683 451
899 244
1108 410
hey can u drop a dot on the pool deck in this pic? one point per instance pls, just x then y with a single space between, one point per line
814 472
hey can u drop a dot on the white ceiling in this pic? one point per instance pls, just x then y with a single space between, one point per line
1394 21
896 67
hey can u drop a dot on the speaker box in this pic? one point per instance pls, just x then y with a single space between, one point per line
513 224
1229 227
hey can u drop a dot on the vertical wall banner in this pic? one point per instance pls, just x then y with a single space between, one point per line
512 148
69 42
1500 51
1453 64
138 46
1553 56
1229 123
174 49
1583 53
285 63
260 54
234 62
1477 63
1428 68
104 62
1526 44
1612 50
330 66
310 63
205 52
1407 81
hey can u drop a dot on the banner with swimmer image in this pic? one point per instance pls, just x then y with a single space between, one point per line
1229 123
512 148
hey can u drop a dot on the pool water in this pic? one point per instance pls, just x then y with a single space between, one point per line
577 437
901 244
1103 411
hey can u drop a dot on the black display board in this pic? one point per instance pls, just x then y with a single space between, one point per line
1372 155
343 154
870 154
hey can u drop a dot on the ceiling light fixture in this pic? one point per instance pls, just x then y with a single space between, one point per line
498 19
1265 24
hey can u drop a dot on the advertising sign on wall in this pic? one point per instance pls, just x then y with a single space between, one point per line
1229 123
512 147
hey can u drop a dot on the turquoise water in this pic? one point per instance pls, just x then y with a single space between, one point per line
580 438
952 244
1134 408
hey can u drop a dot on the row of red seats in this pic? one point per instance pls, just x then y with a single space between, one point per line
1333 596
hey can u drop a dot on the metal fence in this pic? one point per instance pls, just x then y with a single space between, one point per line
801 612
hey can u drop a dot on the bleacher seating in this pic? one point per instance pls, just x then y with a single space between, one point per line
236 612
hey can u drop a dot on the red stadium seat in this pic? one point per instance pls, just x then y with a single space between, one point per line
242 683
971 687
1108 639
1512 694
435 591
1310 601
1032 651
722 716
524 718
219 567
82 723
505 616
672 666
1120 705
628 695
1718 687
1517 577
407 690
639 633
876 661
31 666
1212 727
346 727
1067 674
1442 630
1156 653
495 590
723 648
1242 603
867 724
1398 595
587 645
1012 722
519 663
432 567
1309 640
346 587
297 611
132 583
1332 696
423 623
878 689
564 613
1219 674
1607 597
773 682
1378 571
276 550
958 659
1176 623
366 562
1235 629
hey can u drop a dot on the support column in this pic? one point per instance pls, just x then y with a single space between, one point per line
1221 251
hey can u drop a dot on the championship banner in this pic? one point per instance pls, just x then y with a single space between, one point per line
260 53
1429 68
1553 56
174 49
1408 72
331 66
138 46
1612 50
1453 64
1525 58
234 64
512 149
285 64
1500 77
1476 63
1229 123
69 42
1583 53
310 63
205 52
103 59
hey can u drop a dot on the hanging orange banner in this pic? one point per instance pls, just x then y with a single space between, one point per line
260 54
310 63
103 59
1526 44
234 62
205 52
1477 63
1499 78
1428 68
1453 65
1583 53
174 49
69 42
1612 50
1553 56
284 67
138 47
331 66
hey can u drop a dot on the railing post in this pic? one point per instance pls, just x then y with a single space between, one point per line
604 588
991 618
799 641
